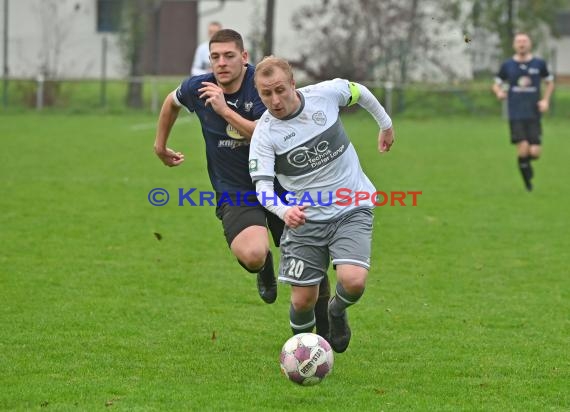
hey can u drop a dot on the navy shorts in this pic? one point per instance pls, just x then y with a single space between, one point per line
526 130
236 218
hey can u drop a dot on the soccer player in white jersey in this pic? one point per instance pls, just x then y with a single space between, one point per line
300 138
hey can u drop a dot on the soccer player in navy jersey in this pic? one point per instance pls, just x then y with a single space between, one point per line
523 74
228 106
302 141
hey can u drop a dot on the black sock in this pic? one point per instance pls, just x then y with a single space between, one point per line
301 322
526 169
268 265
321 307
531 159
342 300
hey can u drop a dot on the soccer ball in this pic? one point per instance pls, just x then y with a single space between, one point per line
306 359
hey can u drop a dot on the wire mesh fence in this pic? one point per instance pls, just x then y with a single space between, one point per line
111 96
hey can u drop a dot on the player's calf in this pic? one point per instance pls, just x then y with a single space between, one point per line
301 321
340 332
322 308
266 282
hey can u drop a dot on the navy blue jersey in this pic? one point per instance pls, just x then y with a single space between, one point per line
524 86
227 152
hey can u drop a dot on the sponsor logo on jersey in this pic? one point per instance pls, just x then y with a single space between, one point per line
289 136
524 81
232 143
313 157
233 132
234 104
320 118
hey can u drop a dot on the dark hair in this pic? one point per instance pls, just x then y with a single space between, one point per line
226 36
521 33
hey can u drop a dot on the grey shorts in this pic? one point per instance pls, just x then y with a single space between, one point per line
307 250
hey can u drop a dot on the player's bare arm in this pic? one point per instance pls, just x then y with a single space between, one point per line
214 96
499 92
166 119
385 140
544 103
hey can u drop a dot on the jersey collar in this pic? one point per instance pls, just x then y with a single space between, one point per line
299 110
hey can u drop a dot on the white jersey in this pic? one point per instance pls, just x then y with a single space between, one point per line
311 154
201 62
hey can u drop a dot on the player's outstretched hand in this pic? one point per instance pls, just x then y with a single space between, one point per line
385 140
214 96
169 157
295 216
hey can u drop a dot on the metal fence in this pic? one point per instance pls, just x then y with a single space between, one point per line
78 96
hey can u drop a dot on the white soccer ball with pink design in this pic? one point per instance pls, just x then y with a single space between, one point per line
306 359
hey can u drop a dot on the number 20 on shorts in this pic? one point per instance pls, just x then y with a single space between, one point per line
295 268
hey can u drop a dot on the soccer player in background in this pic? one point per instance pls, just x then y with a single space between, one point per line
201 62
523 73
228 105
301 140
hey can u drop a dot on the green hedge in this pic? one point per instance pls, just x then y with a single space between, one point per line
88 96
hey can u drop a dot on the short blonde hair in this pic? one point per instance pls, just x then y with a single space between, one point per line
266 67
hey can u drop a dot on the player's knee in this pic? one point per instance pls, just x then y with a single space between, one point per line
302 303
523 152
535 154
523 148
252 259
354 285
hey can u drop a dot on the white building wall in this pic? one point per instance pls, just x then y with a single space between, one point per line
241 16
245 16
562 50
34 41
61 40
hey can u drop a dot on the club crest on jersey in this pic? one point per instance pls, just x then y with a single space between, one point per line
320 118
248 106
233 132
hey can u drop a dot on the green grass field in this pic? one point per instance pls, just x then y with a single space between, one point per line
467 306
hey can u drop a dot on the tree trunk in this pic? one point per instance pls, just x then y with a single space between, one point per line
408 44
269 23
137 28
